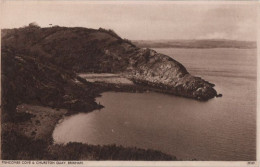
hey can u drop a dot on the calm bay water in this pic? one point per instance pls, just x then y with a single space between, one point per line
220 129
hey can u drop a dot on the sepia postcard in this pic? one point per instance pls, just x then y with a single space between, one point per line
129 83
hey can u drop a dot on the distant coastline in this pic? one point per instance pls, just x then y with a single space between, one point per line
201 43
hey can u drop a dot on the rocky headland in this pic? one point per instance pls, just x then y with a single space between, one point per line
41 67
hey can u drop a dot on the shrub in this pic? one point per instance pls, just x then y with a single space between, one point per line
34 25
111 32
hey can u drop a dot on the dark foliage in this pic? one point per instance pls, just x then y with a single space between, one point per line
73 151
16 146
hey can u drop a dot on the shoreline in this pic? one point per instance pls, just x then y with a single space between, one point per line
32 129
52 151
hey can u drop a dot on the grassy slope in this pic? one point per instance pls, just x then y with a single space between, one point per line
77 49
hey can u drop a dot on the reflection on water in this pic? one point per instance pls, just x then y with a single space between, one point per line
220 129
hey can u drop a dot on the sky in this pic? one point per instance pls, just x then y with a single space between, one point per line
141 20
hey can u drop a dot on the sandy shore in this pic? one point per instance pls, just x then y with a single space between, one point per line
42 122
106 78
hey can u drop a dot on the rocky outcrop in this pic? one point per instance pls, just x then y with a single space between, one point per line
162 72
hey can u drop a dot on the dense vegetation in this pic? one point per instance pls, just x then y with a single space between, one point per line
27 78
18 147
76 49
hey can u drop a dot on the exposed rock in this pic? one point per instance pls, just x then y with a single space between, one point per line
160 71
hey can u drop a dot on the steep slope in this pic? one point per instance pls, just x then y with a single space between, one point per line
162 72
27 78
89 50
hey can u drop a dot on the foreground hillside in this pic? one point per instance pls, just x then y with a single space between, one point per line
40 68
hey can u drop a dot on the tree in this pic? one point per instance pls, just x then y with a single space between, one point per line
34 24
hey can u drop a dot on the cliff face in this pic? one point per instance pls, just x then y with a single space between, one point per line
88 50
160 71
